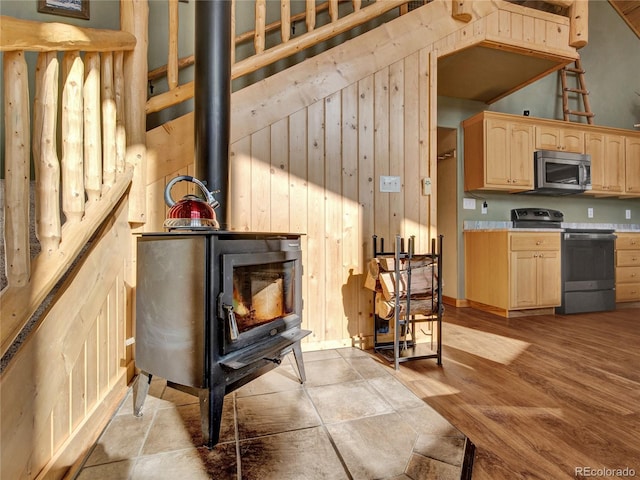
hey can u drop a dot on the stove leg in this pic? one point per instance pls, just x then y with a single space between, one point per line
297 354
211 402
140 390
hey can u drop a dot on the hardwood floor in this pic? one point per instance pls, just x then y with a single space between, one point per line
541 397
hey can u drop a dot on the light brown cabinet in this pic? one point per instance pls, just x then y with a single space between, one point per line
607 163
498 153
510 271
535 271
499 148
632 165
628 267
555 137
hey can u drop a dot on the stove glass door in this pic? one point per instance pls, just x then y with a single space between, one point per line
262 293
260 296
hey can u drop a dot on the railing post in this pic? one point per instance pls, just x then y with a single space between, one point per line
118 91
333 10
172 62
16 116
108 121
579 23
285 20
45 155
261 19
461 10
92 127
72 138
311 15
134 18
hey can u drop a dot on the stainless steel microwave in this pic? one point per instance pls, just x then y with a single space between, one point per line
561 173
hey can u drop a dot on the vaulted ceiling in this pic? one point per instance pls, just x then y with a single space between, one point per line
629 10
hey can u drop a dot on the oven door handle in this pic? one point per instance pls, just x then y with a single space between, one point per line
589 236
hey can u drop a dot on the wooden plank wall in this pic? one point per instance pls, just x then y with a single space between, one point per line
317 172
56 392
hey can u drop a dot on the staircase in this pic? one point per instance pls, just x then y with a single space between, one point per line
578 72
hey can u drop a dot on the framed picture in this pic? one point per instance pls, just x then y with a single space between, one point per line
67 8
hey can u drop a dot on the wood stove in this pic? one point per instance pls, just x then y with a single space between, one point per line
214 310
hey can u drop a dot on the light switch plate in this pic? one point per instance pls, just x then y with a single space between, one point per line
389 184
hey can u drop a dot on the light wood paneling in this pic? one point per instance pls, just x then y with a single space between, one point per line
70 363
379 125
316 171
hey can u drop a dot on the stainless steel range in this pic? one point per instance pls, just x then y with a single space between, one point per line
588 266
588 271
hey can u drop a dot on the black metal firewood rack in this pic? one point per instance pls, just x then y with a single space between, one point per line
401 345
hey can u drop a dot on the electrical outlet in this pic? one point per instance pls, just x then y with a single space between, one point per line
469 203
426 186
627 214
590 212
485 208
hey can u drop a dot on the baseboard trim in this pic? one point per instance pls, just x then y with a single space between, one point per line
455 302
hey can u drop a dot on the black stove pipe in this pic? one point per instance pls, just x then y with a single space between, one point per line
212 98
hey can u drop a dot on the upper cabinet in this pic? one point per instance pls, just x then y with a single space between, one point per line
607 162
560 138
498 153
499 148
632 165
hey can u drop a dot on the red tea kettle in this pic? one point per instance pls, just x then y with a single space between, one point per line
192 212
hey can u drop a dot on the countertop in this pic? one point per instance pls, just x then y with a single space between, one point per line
483 225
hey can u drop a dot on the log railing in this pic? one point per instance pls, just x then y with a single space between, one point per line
357 15
337 23
79 167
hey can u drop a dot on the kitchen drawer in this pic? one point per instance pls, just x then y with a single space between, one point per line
627 275
628 292
628 242
539 241
628 258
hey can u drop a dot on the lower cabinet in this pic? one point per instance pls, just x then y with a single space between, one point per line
628 267
508 271
534 279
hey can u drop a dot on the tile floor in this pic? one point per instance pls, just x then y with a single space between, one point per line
351 420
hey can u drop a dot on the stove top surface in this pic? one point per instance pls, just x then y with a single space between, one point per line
532 217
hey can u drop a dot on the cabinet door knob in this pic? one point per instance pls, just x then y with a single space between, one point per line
538 242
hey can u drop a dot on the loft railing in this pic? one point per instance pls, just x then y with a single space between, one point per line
80 166
337 21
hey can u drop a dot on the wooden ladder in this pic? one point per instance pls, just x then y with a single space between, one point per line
578 71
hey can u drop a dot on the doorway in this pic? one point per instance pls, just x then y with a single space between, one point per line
447 210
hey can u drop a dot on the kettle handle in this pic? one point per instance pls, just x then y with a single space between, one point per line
188 178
